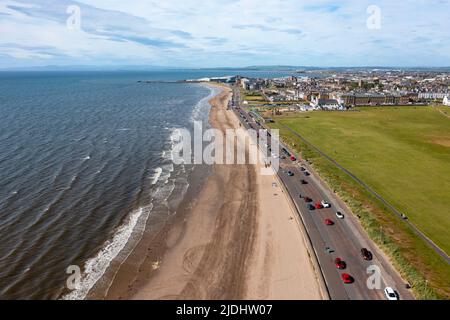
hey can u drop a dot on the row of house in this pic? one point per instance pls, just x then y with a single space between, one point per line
362 99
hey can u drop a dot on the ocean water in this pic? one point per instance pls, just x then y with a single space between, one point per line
85 160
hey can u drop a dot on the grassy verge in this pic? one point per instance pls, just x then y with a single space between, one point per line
424 269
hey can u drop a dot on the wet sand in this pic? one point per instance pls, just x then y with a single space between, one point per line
237 238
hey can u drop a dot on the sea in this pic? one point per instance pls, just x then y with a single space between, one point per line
85 162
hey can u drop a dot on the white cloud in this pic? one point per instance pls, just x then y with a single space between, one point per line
227 32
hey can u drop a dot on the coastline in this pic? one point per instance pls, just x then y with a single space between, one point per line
234 237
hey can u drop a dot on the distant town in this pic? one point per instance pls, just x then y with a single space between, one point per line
344 90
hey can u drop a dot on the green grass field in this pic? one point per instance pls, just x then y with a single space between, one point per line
403 153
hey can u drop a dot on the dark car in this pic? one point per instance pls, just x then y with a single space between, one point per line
311 207
306 173
308 199
341 265
302 169
290 173
304 182
366 254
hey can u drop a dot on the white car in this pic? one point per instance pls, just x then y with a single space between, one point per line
325 204
391 294
340 215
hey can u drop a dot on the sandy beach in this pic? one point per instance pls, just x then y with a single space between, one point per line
238 239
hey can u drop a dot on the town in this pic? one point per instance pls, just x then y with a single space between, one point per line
343 90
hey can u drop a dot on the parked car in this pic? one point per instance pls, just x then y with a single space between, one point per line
290 173
302 169
348 279
329 222
366 254
341 265
391 294
304 182
319 205
307 199
293 158
306 173
311 207
340 215
325 204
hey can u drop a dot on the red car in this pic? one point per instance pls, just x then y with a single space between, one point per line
329 222
293 158
319 205
308 199
341 265
348 279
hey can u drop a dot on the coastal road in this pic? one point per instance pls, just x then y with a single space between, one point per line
346 237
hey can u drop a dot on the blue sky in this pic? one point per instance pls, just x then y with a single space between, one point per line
214 33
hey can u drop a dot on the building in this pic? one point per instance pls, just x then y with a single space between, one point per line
446 101
325 103
228 79
373 99
329 104
432 95
245 83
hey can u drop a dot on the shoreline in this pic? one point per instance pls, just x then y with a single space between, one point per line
234 237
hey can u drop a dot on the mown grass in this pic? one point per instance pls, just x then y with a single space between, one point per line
401 153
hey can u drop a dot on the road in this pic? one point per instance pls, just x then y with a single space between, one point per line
399 214
346 237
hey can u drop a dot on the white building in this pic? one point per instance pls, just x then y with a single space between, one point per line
432 95
245 83
446 101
